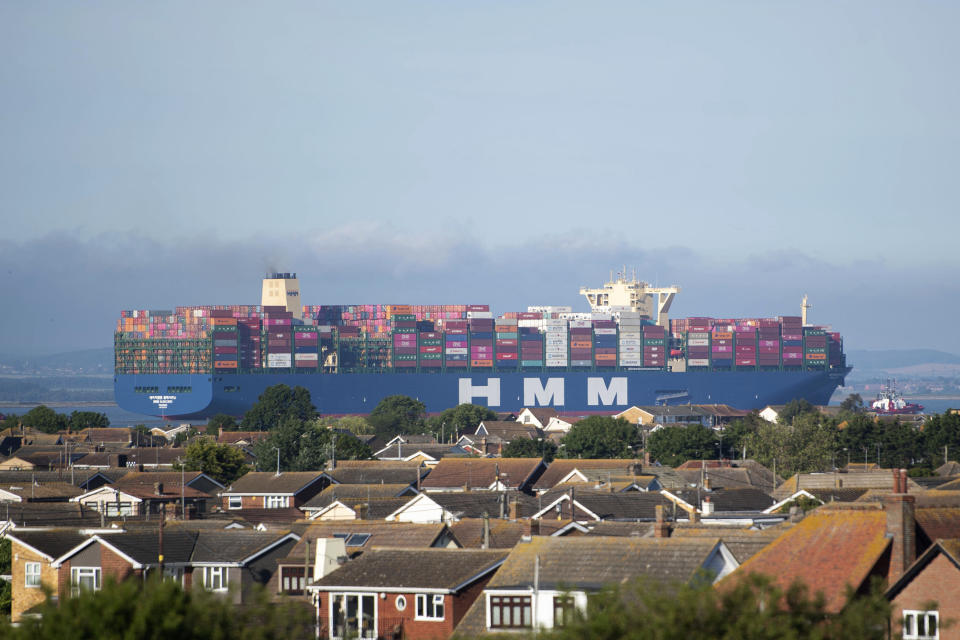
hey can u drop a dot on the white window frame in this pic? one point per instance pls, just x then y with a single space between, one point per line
276 502
427 606
218 573
910 618
79 573
31 574
400 603
234 502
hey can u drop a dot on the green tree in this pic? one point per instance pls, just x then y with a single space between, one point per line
276 404
808 444
88 419
318 444
463 418
853 403
529 448
675 445
735 434
397 414
795 408
45 419
938 432
356 425
155 610
859 431
601 437
221 462
221 421
285 437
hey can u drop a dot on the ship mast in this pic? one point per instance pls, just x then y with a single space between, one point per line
803 310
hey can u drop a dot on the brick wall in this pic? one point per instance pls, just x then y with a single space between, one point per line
939 581
26 597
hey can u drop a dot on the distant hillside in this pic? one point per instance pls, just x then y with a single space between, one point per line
899 359
88 361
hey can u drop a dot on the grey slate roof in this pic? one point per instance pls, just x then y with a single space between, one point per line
414 568
473 504
49 514
728 499
268 482
53 542
631 505
383 473
349 493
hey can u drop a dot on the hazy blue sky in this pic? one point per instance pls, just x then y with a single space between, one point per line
154 154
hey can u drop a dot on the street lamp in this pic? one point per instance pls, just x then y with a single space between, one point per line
278 460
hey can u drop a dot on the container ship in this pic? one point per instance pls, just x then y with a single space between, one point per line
197 361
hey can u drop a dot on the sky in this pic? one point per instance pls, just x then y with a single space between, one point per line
501 152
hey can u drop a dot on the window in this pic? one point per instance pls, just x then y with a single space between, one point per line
921 625
84 579
276 502
510 612
353 615
32 572
291 580
563 609
215 578
429 606
234 502
174 574
401 603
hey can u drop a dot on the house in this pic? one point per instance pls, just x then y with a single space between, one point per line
559 426
562 471
269 490
452 506
841 546
154 458
503 433
537 416
142 494
869 480
489 533
36 492
349 501
32 551
489 474
30 459
361 535
586 506
722 414
85 479
109 437
427 454
241 438
728 474
667 415
771 412
927 595
233 561
47 514
415 593
544 580
367 472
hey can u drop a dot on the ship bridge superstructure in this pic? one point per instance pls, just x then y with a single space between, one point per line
621 294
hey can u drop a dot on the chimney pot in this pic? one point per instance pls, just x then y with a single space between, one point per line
158 488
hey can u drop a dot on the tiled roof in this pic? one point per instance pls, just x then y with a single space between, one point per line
508 431
414 569
142 485
232 545
830 548
728 499
942 522
630 505
382 534
473 504
44 491
837 495
742 542
948 547
233 437
559 469
590 562
378 471
49 514
281 516
268 482
613 528
952 485
542 414
504 534
54 542
480 473
951 468
353 492
108 434
933 482
399 451
881 479
755 476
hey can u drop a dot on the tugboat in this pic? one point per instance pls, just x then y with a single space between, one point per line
891 403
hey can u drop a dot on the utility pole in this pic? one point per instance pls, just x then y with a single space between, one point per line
163 517
278 460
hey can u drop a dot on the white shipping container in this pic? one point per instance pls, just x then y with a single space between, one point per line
698 362
279 358
529 323
630 349
507 321
479 314
698 342
550 322
308 357
457 351
697 334
601 316
580 324
555 342
631 362
653 349
631 342
605 332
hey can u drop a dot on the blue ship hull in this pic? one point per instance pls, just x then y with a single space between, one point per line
203 395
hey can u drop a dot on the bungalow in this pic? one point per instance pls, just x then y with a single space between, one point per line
402 592
490 474
269 490
544 580
537 416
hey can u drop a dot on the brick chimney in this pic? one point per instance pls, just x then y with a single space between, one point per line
707 506
901 526
660 528
514 509
531 527
158 488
